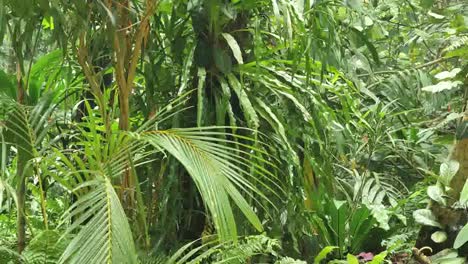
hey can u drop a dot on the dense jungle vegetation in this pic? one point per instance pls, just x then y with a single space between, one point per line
233 131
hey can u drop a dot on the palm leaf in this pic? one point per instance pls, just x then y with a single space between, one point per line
105 235
217 170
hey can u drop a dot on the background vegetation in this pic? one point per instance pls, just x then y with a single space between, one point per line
231 131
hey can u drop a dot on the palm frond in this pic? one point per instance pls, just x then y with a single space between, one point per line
45 248
218 171
104 235
229 252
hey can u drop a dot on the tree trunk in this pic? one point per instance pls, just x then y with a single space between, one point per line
124 119
21 218
21 164
460 154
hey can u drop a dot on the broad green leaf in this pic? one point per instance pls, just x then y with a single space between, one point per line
441 86
464 194
448 74
447 171
236 51
368 21
226 97
436 193
446 254
48 23
359 61
338 211
323 254
439 236
381 214
165 6
289 24
458 260
352 259
360 224
380 258
461 238
425 217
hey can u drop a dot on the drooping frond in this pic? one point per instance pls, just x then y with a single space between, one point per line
27 126
219 170
104 235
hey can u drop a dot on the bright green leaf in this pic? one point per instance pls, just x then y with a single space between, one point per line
236 51
323 254
447 171
441 86
425 217
439 236
436 193
352 259
447 74
461 238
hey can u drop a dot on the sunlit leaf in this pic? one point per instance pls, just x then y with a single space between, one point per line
461 238
439 236
236 51
425 217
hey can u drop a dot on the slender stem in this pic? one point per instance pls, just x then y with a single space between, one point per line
43 200
21 198
31 61
20 171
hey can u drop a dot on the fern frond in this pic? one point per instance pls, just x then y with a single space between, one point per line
45 248
458 42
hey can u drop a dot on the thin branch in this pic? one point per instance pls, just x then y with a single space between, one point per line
142 32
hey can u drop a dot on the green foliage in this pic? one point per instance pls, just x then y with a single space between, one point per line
106 237
45 247
317 123
251 248
323 254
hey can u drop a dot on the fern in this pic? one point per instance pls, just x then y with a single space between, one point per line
45 248
457 43
250 247
245 250
7 255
